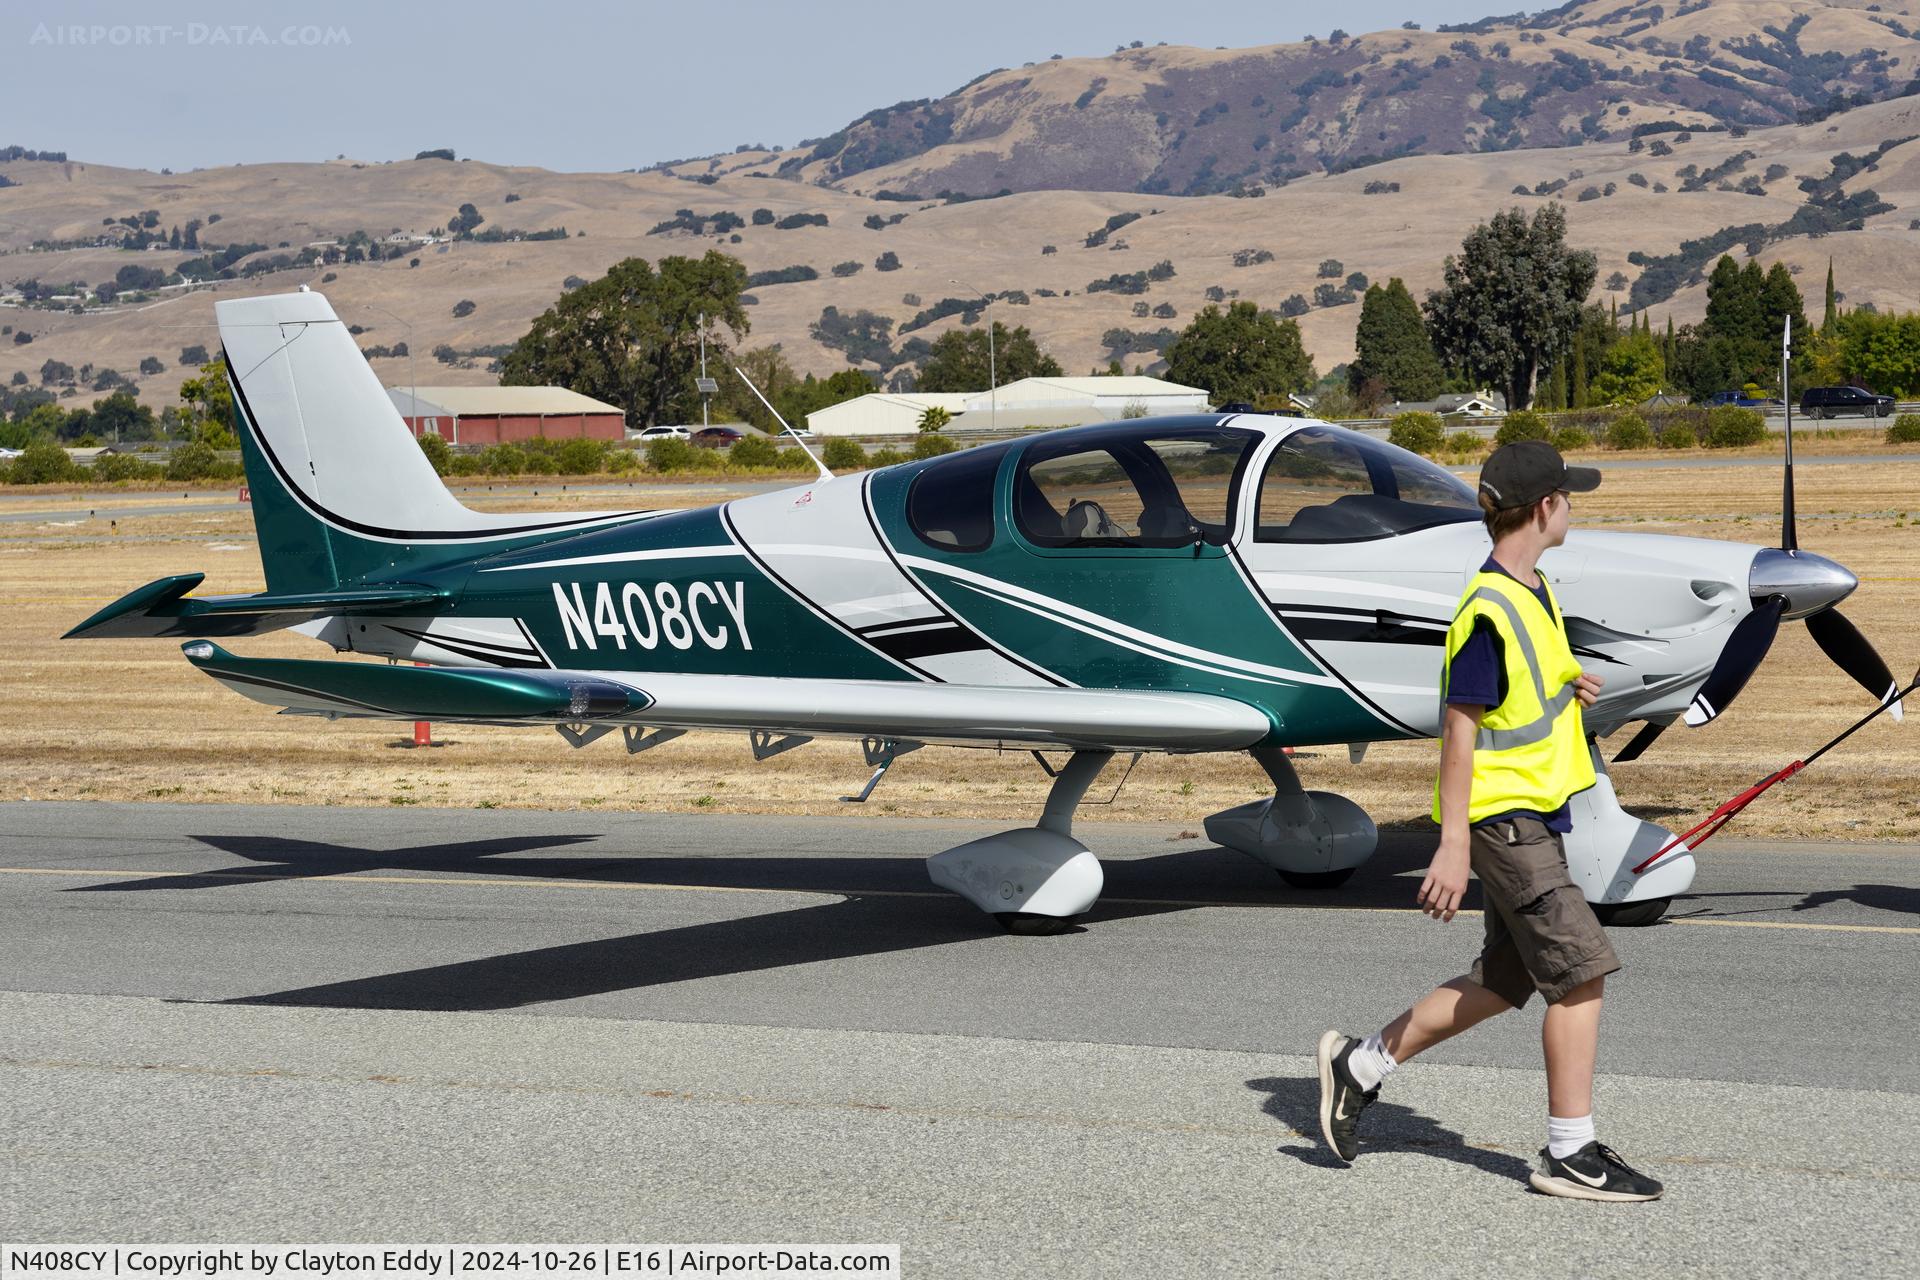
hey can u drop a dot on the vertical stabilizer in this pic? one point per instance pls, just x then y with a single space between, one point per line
341 490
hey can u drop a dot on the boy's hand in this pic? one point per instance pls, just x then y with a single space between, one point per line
1587 688
1446 881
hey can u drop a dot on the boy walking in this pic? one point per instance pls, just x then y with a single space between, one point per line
1513 751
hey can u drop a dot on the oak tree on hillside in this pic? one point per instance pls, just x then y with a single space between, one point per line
1241 353
461 224
1510 300
632 337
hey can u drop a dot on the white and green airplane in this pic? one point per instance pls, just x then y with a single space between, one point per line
1217 582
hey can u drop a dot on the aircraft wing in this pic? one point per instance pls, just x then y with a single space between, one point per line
952 714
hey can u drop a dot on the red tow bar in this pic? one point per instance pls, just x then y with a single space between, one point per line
1721 816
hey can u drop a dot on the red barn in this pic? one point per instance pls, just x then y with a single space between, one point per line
496 415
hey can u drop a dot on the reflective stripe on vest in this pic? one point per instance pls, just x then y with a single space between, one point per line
1541 727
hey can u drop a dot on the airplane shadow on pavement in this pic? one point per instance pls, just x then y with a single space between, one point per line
1295 1102
1883 897
273 857
1878 897
840 930
889 905
1194 875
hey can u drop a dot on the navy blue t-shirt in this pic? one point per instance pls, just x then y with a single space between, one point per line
1477 677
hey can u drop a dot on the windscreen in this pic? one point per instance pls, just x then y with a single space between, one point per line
1324 484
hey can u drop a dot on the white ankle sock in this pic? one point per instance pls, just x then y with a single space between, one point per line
1566 1136
1370 1063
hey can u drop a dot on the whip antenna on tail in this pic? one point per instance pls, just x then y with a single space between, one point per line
824 473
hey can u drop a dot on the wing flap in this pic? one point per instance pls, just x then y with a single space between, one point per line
956 714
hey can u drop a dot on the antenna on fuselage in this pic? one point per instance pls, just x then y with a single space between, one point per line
824 473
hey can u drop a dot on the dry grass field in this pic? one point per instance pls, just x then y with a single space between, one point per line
129 720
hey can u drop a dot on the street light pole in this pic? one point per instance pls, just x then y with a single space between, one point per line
707 386
993 376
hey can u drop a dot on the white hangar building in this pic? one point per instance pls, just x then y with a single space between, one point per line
1030 402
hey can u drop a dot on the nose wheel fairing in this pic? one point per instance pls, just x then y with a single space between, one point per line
1032 877
1607 842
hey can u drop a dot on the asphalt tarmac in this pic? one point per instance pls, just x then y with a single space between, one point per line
321 1024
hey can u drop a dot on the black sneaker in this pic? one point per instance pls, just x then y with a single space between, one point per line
1341 1100
1594 1172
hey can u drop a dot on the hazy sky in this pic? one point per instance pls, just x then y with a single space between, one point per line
566 84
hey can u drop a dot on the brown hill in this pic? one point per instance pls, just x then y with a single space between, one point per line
997 245
1175 120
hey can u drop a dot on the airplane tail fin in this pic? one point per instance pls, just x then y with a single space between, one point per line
342 494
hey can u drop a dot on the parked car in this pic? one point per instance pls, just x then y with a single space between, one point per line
665 433
1738 399
1831 402
717 437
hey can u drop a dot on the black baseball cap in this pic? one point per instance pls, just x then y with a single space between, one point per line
1522 473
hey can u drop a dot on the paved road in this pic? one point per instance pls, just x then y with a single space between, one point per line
316 1024
1707 458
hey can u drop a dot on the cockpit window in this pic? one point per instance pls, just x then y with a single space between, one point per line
951 503
1328 485
1131 487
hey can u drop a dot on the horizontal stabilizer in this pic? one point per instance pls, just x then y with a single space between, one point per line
383 692
164 608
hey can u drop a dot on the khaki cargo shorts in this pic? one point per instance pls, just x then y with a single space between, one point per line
1541 933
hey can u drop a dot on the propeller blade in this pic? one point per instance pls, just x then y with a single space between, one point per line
1641 741
1854 654
1745 648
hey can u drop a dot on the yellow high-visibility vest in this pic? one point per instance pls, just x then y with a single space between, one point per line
1531 751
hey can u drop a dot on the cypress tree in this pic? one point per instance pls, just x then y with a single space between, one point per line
1780 296
1391 344
1832 315
1725 310
1577 379
1555 396
1753 290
